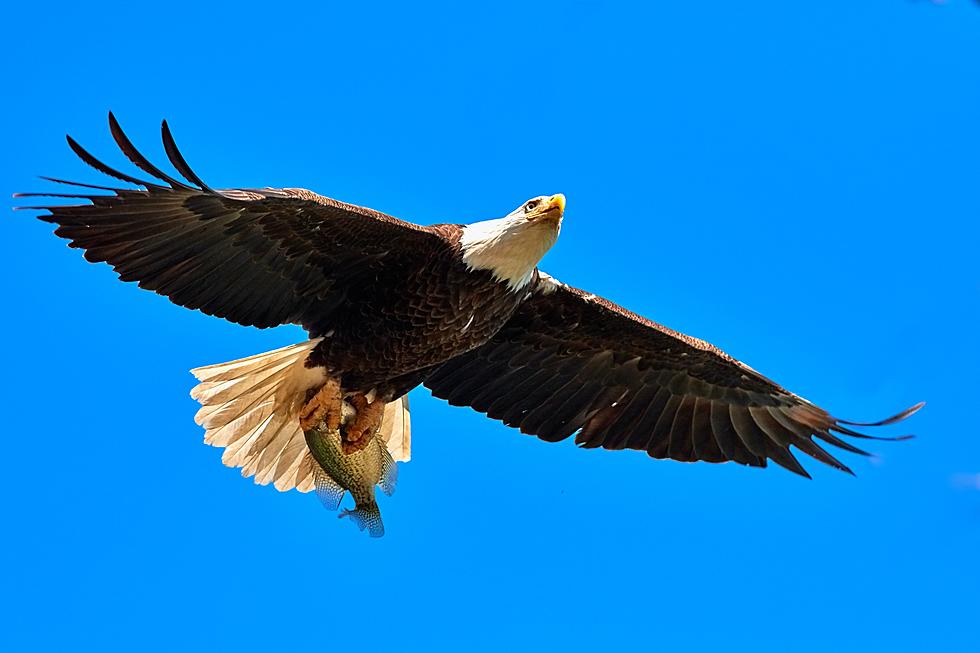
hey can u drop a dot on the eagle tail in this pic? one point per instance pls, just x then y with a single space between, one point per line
250 407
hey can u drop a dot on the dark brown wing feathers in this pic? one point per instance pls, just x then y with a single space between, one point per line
138 159
177 159
258 257
569 362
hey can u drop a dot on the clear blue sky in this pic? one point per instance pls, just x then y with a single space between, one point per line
802 183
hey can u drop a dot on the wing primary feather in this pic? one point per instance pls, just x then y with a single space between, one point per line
78 183
908 412
782 457
68 195
49 218
138 159
177 159
803 441
812 449
83 154
854 434
780 437
747 431
728 439
827 436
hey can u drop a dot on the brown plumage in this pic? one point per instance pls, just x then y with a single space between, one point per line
570 362
460 308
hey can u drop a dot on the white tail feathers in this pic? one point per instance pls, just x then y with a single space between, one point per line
251 408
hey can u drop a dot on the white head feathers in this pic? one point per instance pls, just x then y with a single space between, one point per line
510 247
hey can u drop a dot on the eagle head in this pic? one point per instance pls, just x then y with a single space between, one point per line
510 247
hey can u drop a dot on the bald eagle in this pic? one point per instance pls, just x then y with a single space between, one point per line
389 305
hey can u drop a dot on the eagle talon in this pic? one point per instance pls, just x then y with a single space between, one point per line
350 447
364 425
325 406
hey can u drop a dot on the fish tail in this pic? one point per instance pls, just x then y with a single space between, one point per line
366 515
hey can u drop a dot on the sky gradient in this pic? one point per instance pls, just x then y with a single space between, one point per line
796 183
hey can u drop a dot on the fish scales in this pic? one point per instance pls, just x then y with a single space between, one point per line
358 473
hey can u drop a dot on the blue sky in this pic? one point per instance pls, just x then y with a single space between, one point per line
794 182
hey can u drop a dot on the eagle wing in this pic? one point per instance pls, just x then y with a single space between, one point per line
571 362
258 257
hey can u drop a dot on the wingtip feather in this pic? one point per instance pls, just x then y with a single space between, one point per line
177 159
137 158
908 412
89 159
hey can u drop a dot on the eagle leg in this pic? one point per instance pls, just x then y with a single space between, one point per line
364 425
325 405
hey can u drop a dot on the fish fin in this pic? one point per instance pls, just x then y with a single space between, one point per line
327 490
389 472
366 516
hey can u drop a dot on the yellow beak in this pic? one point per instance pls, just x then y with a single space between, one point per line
558 202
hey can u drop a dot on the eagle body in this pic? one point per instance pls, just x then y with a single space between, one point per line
390 333
389 305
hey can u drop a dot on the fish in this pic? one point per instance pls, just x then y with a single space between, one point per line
337 473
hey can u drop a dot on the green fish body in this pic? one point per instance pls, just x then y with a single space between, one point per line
356 473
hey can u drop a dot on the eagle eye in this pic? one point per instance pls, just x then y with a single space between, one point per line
530 205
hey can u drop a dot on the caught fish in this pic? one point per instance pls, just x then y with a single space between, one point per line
357 473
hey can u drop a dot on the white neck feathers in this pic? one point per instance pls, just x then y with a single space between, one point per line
509 248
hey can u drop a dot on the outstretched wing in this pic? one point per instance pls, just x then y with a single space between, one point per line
572 362
258 257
